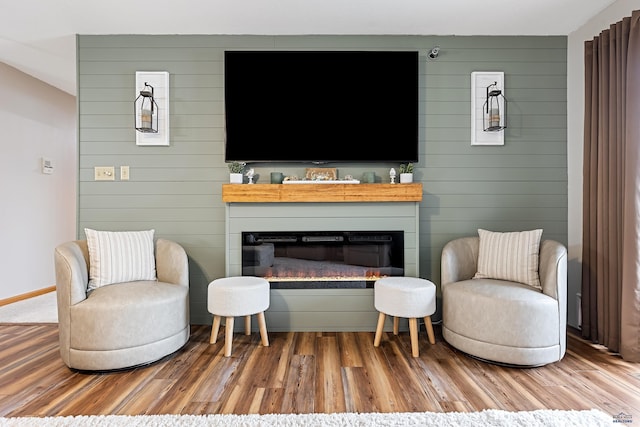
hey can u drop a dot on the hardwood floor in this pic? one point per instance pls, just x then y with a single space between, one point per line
307 372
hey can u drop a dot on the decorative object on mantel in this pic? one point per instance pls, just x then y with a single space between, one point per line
250 174
236 170
406 173
321 174
369 177
294 180
151 108
392 176
276 177
488 108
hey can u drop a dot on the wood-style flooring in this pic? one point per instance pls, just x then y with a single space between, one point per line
306 372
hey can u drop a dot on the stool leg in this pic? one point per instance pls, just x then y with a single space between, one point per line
429 327
396 325
214 329
247 325
376 340
228 336
413 331
262 324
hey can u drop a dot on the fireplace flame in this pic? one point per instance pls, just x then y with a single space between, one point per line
306 276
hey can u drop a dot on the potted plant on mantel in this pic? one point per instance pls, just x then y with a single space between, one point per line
406 173
235 172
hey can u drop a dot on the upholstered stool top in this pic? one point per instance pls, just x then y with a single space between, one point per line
405 296
238 296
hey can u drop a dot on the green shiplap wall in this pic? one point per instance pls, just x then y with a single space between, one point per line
519 186
176 190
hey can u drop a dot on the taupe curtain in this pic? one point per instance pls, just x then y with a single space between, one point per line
611 195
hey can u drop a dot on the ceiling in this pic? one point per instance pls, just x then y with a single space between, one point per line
38 36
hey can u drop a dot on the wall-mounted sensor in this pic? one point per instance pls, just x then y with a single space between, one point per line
46 165
433 54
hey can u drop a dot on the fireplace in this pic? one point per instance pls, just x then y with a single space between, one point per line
357 208
322 259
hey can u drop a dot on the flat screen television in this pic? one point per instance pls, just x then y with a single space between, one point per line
321 106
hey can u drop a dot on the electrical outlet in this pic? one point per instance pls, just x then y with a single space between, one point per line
124 173
104 173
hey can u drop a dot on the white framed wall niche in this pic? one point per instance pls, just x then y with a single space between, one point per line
160 82
480 80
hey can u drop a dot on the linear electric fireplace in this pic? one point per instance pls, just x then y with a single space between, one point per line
322 259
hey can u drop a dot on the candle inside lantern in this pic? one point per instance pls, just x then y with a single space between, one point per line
494 118
145 118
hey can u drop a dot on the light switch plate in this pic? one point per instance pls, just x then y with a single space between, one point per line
104 173
124 173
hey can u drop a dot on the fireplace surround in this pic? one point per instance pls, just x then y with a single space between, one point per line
322 207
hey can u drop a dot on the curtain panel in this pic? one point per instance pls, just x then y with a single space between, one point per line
611 189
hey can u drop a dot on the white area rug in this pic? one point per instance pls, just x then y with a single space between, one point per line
40 309
487 418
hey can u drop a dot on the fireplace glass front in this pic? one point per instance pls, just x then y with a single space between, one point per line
323 259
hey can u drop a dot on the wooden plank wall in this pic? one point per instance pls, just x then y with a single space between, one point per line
177 189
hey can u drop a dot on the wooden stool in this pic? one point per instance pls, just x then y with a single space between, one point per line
238 296
408 297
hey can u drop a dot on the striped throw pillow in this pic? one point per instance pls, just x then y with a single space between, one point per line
120 256
510 256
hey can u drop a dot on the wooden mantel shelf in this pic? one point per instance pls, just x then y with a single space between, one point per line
285 193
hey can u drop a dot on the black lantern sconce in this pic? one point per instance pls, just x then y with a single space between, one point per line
494 113
146 111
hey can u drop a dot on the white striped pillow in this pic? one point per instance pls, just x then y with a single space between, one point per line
510 256
120 256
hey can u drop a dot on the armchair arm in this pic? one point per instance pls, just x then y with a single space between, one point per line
459 260
72 272
553 269
71 260
172 264
553 278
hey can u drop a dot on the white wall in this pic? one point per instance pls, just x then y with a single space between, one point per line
575 118
37 211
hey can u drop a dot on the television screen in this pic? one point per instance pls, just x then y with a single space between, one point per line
321 106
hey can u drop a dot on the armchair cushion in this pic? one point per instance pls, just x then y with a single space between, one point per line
120 256
512 256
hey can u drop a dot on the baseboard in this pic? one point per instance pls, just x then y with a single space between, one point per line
27 295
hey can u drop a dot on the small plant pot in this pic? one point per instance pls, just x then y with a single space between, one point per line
235 178
406 178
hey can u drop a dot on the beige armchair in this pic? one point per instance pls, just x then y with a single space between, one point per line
126 324
502 321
